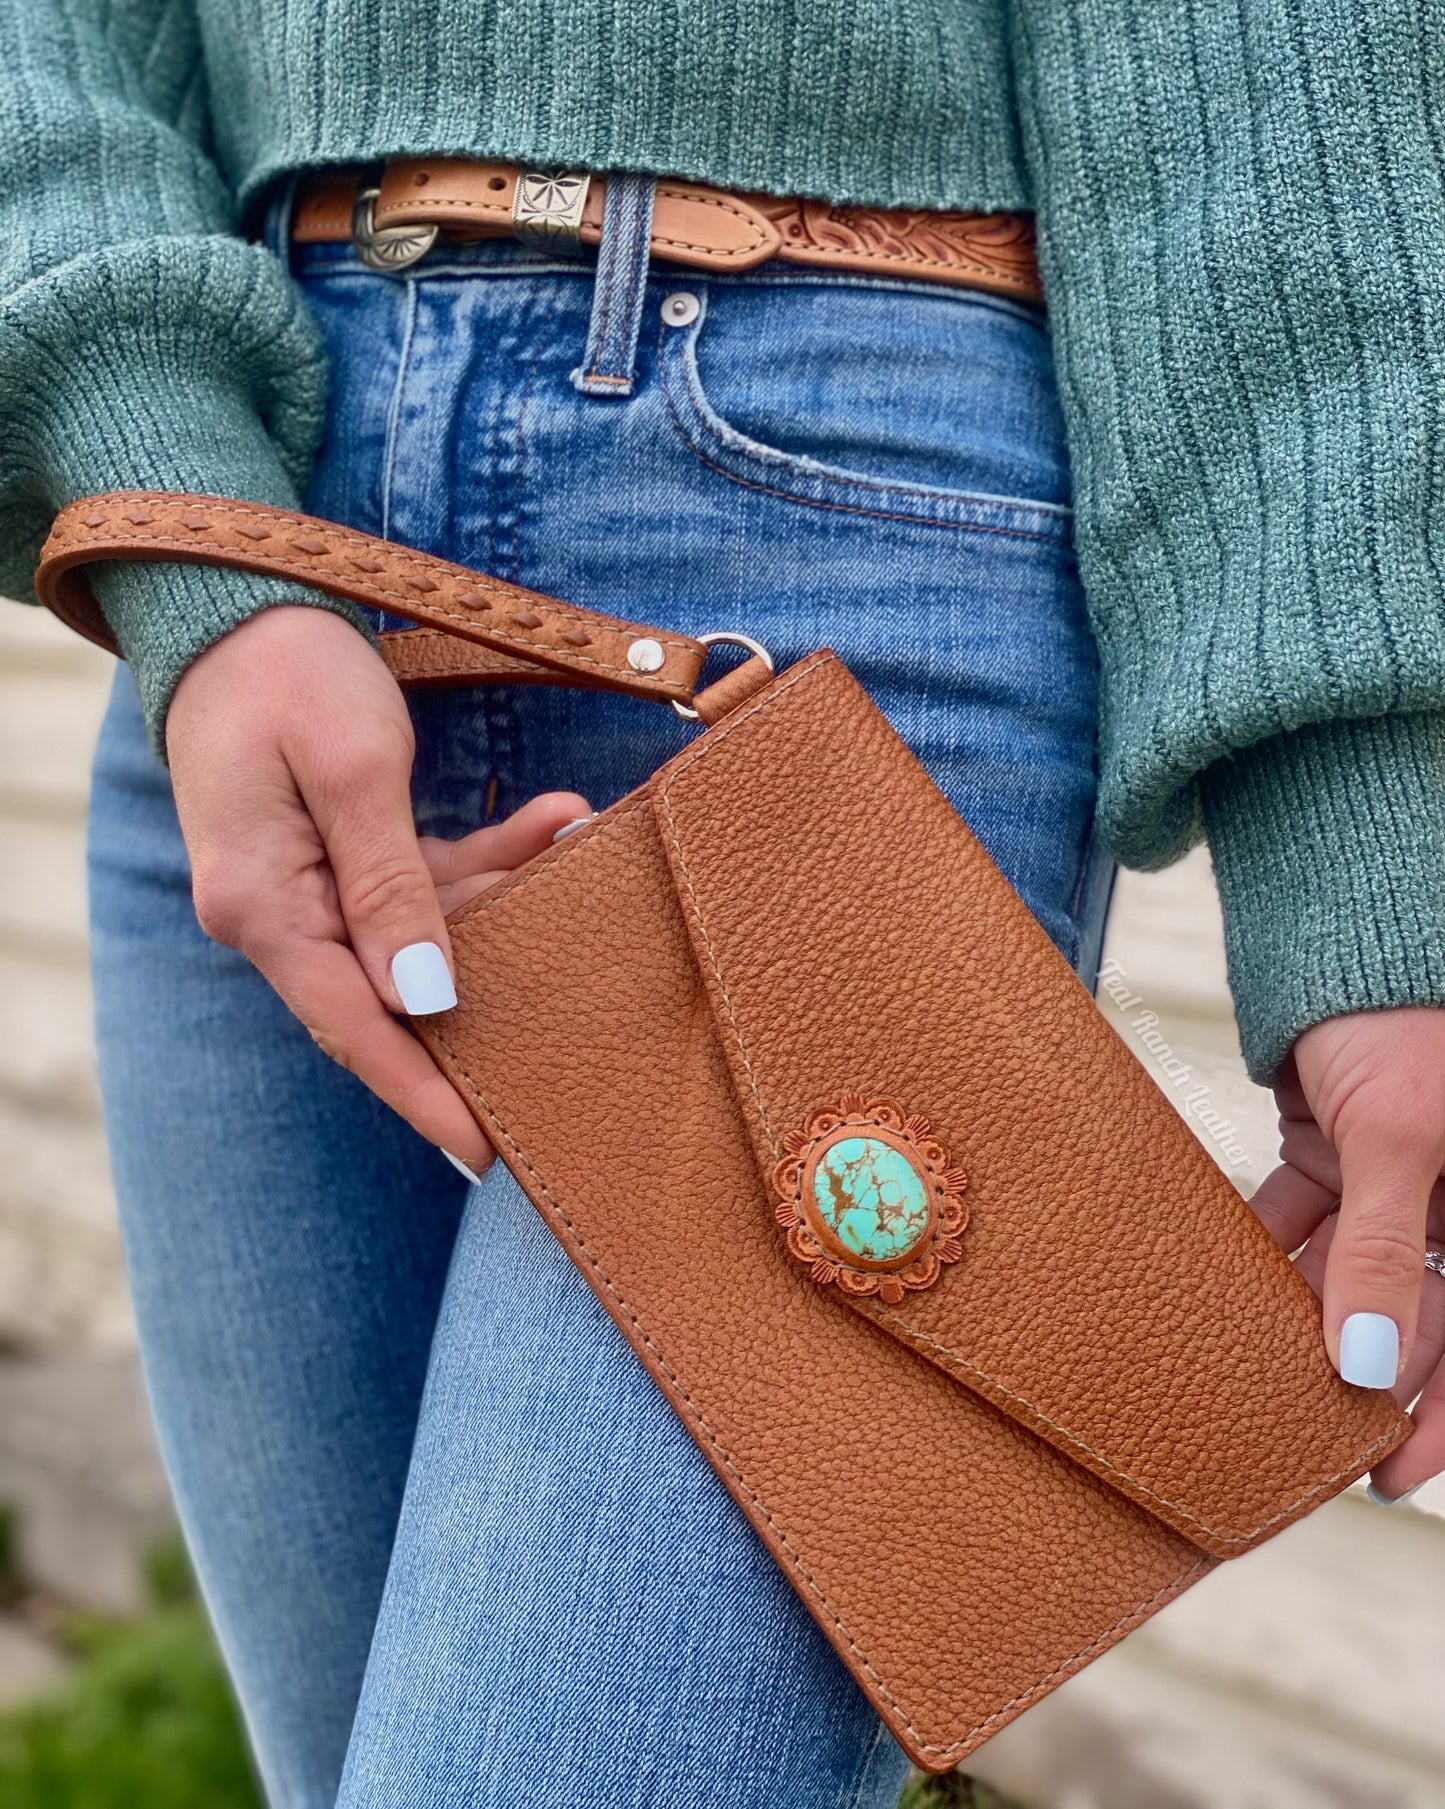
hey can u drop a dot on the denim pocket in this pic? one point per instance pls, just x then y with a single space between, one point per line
882 400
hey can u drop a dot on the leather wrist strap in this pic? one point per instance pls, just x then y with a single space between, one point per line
515 633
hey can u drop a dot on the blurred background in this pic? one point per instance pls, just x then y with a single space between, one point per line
1308 1675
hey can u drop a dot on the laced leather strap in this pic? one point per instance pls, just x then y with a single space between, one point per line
484 627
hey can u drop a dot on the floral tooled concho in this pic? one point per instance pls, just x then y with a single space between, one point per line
870 1199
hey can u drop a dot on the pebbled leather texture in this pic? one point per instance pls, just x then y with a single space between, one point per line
1121 1381
704 228
1083 1186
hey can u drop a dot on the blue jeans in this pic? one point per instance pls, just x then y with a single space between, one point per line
457 1549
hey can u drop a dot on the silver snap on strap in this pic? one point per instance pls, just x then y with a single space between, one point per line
646 655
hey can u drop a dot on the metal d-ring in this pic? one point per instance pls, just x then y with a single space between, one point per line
387 247
725 638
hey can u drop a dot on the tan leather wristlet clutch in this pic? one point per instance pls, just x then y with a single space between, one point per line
990 1354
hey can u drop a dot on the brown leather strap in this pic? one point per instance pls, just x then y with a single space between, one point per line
705 228
518 632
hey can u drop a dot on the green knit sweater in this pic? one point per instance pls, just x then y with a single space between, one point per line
1240 206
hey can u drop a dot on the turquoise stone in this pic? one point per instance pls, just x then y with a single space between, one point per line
871 1197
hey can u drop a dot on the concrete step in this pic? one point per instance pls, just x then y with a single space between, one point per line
49 720
28 1663
62 1277
78 1463
42 902
47 1043
1304 1676
33 640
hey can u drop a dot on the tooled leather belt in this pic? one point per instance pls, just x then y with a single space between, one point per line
397 219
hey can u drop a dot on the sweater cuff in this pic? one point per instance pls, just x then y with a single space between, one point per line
165 616
1329 849
188 364
208 439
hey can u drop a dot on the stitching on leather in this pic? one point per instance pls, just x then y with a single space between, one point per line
496 209
912 1336
717 972
715 738
385 210
859 483
814 1588
384 590
821 256
573 845
728 206
399 555
793 678
1140 1612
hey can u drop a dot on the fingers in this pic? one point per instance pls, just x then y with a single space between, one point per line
360 800
1291 1205
1306 1148
501 847
1423 1455
1376 1262
291 751
324 985
464 869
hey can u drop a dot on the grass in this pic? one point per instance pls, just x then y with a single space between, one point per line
146 1720
952 1791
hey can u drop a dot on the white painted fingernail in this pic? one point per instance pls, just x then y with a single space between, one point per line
461 1167
423 980
576 823
1390 1500
1370 1350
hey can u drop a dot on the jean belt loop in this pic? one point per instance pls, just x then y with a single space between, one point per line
276 227
620 289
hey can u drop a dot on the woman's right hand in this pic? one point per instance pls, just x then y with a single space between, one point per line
290 749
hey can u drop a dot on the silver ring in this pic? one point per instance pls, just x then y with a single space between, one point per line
1435 1259
725 638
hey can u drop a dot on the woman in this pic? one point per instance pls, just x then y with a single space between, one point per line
456 1548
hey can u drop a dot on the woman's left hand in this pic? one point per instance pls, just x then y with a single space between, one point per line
1359 1195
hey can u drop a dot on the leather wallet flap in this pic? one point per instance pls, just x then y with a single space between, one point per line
1110 1291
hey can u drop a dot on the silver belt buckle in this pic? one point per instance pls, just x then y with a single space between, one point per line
387 247
547 206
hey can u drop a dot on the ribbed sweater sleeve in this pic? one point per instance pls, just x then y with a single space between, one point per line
142 344
1240 206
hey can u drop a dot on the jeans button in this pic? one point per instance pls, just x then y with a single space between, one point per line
681 309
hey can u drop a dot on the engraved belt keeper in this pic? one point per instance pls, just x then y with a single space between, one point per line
549 205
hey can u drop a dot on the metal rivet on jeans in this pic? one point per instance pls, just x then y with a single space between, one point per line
681 309
646 655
